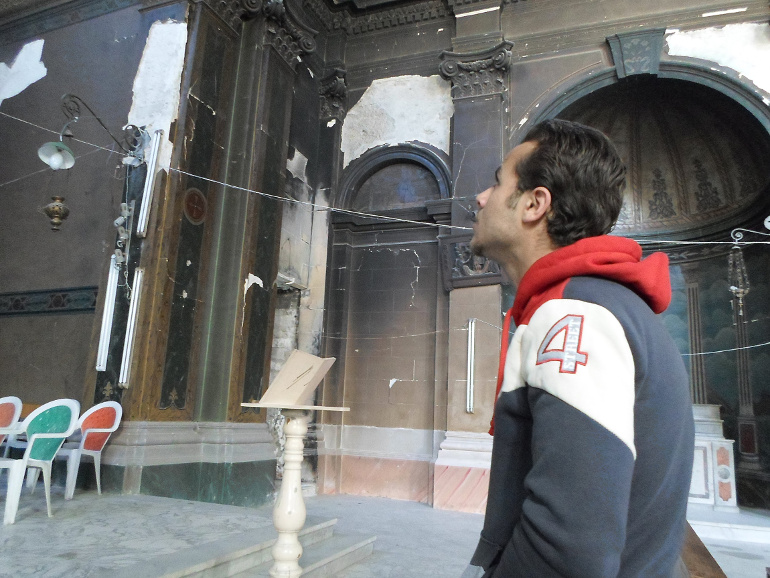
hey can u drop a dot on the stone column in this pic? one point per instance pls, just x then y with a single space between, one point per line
479 89
697 369
238 339
748 443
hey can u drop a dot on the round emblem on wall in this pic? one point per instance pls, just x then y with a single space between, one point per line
195 206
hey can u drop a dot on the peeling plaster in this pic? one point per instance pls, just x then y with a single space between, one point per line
297 165
397 110
26 69
744 48
158 83
251 280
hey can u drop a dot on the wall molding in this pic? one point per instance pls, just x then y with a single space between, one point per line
380 442
145 443
69 300
465 449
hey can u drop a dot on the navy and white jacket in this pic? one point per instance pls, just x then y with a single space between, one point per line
593 428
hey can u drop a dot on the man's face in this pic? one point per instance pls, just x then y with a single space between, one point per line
497 229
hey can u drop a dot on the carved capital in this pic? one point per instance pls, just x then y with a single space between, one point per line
478 73
284 32
637 52
333 93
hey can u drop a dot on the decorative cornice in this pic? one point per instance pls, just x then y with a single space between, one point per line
409 15
229 11
477 73
285 32
333 93
22 24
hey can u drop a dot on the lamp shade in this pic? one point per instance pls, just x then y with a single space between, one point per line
56 155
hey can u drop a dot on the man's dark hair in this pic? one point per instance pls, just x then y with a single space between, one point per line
583 171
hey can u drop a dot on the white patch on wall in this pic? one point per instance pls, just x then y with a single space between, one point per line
743 47
27 68
397 110
158 82
297 165
251 280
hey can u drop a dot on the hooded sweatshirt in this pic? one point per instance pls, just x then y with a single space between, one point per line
593 436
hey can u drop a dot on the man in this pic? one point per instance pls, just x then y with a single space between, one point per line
593 430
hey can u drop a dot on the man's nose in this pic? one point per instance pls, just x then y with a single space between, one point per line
481 198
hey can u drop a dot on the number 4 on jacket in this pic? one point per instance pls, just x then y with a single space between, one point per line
567 332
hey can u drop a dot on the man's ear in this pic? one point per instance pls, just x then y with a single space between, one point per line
538 204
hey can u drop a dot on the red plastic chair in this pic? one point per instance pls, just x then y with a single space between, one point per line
10 410
96 426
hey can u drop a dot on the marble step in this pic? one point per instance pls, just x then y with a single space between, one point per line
226 557
324 559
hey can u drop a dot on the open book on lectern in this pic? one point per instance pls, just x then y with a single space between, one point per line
297 380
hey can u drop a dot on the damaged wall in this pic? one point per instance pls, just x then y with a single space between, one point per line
46 355
304 228
744 48
399 110
156 87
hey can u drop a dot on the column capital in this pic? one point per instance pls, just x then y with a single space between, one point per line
477 73
333 92
290 37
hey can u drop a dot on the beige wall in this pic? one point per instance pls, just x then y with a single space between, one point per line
483 303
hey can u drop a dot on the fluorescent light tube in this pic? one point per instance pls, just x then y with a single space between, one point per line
128 344
109 310
149 180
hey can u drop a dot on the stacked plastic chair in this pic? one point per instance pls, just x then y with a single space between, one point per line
47 427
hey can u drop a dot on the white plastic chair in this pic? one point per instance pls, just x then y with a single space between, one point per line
96 426
46 429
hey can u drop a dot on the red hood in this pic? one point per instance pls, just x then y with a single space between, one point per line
614 258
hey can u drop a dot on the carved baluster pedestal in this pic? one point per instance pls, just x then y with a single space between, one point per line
289 511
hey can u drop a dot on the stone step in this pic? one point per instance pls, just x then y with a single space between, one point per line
246 559
324 559
226 557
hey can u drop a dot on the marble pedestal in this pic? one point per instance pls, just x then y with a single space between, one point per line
713 473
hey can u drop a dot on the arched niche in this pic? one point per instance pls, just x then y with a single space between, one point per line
695 142
394 178
383 313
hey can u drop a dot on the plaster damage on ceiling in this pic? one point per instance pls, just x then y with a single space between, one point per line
744 48
399 110
26 69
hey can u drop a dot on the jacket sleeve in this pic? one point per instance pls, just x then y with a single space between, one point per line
579 367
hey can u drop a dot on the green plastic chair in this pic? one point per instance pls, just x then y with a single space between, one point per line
47 427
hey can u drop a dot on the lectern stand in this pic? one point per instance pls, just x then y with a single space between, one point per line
296 381
289 510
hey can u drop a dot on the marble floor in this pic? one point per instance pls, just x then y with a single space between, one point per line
143 536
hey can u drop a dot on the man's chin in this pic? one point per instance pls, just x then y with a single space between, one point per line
477 248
